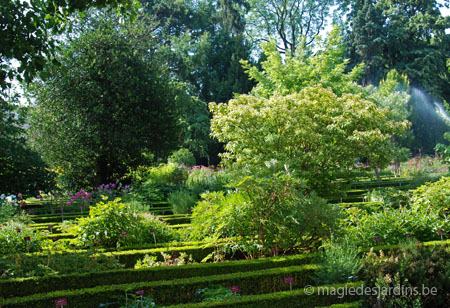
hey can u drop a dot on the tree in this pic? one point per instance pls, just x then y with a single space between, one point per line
314 132
107 103
288 20
21 169
27 29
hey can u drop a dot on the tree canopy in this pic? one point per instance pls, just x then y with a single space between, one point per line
107 103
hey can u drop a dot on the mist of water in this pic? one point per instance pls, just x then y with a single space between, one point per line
428 107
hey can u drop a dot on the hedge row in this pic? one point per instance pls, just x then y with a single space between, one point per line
172 291
28 286
297 298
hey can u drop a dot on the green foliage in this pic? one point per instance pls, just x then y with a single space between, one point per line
113 224
21 266
444 150
393 226
182 201
284 75
434 196
201 180
288 21
265 214
169 260
86 110
216 293
182 157
17 238
412 267
21 169
339 263
390 197
28 29
318 134
8 207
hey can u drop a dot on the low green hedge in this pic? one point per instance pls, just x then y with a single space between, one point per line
172 291
28 286
291 299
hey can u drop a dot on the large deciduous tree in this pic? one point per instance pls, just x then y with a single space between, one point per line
107 103
288 20
28 29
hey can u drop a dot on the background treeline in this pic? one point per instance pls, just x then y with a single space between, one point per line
113 85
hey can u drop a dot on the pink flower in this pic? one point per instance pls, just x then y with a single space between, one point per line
19 195
124 233
440 232
234 289
21 203
377 239
139 292
69 203
289 280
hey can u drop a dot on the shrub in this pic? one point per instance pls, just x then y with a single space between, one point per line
433 195
8 207
113 223
201 180
389 196
409 269
392 226
182 157
339 263
182 201
17 238
268 215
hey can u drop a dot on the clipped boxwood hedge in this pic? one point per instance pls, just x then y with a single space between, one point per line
171 292
28 286
291 299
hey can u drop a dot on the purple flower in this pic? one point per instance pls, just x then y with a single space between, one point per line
234 289
152 230
440 232
408 235
139 292
21 203
18 230
273 250
289 280
113 185
377 239
175 256
50 226
124 233
26 238
69 203
62 216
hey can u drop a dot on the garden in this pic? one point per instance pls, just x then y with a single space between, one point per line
169 154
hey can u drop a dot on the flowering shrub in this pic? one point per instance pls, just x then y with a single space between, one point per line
169 260
411 268
113 223
17 238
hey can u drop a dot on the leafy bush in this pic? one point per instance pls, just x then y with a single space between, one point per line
182 157
433 195
169 260
265 214
411 268
114 224
392 226
201 180
8 207
17 238
216 293
390 197
340 262
182 201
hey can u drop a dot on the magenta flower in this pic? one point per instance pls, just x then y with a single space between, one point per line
440 232
273 250
139 292
289 280
152 230
69 203
234 289
408 235
21 203
113 185
19 195
175 256
124 233
377 239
